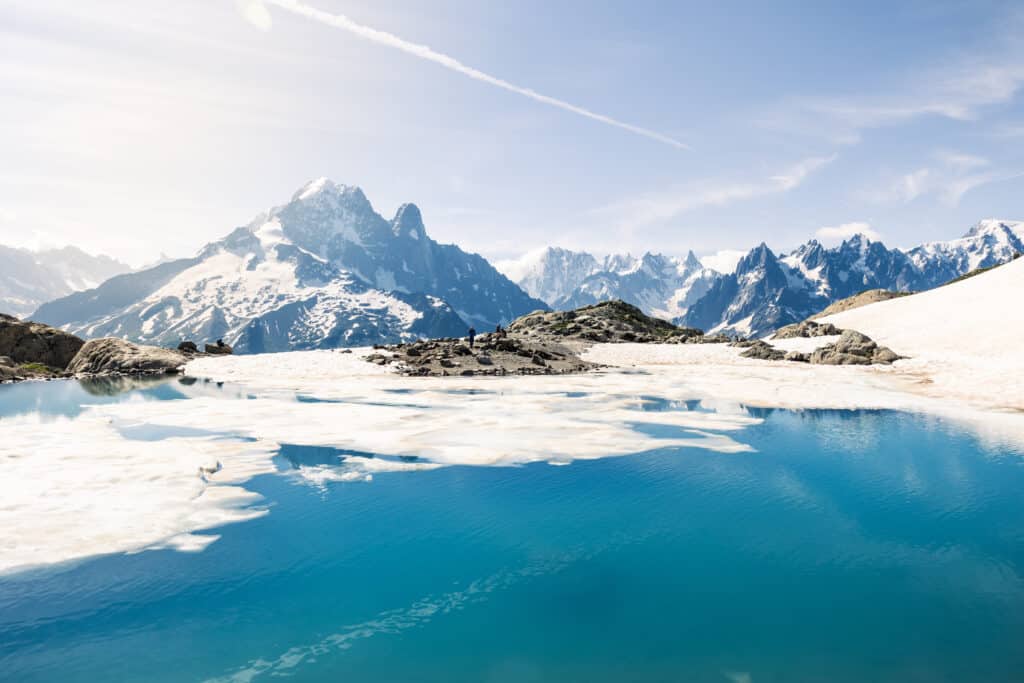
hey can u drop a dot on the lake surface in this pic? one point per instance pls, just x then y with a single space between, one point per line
844 546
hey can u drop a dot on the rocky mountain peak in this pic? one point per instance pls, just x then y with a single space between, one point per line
691 262
408 222
758 257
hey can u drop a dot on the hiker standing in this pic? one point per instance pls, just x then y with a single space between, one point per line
472 336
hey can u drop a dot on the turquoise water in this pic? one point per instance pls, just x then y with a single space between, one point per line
849 546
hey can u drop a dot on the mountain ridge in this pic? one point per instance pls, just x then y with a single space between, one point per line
320 271
766 289
29 278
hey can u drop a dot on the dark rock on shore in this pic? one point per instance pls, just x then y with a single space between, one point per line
219 349
112 356
27 342
492 355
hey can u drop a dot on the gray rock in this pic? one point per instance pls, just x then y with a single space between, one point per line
885 356
188 347
29 342
763 351
853 348
807 328
797 357
830 356
111 356
219 349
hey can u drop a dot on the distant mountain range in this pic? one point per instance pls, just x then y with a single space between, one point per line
29 278
323 270
662 286
326 270
765 291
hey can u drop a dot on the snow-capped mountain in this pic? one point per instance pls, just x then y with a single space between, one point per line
338 224
551 274
322 271
761 295
28 278
988 243
660 285
767 292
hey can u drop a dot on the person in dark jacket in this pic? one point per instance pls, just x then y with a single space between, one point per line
472 336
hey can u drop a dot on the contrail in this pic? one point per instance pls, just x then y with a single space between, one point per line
424 52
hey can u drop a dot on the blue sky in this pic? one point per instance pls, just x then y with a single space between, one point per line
134 127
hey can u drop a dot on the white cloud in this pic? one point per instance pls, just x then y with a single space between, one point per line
654 208
830 235
948 178
255 11
723 261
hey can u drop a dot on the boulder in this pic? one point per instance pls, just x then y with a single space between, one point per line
112 356
220 349
188 347
853 348
29 342
807 328
763 351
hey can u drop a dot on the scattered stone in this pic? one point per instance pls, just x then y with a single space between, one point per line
797 357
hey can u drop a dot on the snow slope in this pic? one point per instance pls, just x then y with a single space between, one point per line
964 339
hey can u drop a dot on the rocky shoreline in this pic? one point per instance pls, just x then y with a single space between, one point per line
550 343
540 343
33 351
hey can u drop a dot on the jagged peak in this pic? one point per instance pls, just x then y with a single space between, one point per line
691 261
757 257
989 226
408 220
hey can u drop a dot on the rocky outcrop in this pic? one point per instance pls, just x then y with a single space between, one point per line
27 342
856 301
853 348
608 322
493 354
112 356
807 329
